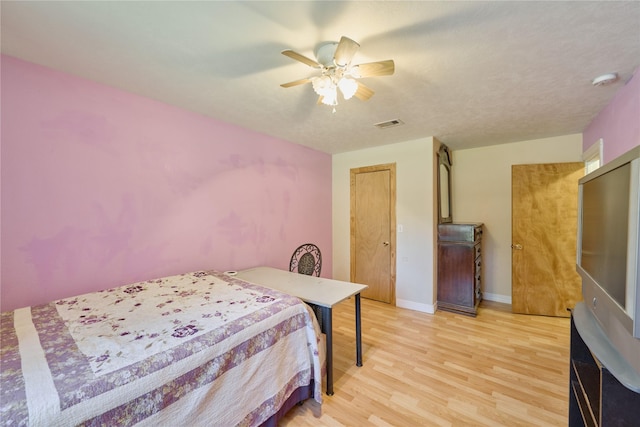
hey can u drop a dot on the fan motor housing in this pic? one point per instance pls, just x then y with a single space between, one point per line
325 52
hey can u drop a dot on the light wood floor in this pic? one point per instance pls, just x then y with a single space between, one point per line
497 369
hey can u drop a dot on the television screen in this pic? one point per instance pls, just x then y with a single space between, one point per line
605 221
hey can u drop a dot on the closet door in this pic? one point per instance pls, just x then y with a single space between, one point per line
544 218
373 227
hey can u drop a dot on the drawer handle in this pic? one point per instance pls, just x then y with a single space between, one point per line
517 246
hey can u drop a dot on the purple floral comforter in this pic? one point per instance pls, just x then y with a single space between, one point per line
194 349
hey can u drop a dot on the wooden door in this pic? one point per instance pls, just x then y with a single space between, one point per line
373 230
544 218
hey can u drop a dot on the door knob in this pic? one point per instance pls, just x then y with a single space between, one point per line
516 246
385 243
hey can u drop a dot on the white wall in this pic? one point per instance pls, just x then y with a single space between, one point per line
482 193
415 268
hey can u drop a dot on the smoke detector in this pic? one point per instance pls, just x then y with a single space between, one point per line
605 79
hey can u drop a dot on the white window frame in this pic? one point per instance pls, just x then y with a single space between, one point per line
592 157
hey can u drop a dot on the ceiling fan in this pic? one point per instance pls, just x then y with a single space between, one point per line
337 72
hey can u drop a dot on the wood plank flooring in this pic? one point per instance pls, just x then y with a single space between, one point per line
497 369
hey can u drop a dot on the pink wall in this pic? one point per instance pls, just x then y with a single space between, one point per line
101 188
619 123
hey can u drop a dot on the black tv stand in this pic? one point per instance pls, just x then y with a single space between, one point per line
596 396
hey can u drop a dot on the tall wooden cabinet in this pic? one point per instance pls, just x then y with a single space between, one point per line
460 267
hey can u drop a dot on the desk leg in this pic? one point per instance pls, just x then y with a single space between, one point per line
358 333
328 330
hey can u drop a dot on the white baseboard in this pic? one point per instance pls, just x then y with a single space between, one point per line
416 306
497 297
431 308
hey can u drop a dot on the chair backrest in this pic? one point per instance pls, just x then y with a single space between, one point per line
306 259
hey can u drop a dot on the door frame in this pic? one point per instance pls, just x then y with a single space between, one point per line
391 167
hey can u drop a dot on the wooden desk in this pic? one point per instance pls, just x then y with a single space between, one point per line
315 290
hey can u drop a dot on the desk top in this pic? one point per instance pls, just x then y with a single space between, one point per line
311 289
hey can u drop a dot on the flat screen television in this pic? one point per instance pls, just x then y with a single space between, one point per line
608 252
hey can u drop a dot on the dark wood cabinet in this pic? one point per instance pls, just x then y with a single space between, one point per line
460 267
596 397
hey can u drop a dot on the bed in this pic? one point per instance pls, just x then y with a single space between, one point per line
201 348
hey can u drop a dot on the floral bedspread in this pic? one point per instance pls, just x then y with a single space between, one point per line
200 348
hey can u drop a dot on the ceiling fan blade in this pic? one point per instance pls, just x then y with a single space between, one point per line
298 57
363 93
374 69
296 83
345 51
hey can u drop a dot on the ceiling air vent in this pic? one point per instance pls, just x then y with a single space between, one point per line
389 124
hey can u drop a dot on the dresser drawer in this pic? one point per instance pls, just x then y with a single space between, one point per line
457 232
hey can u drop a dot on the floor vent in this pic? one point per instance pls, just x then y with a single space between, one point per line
389 124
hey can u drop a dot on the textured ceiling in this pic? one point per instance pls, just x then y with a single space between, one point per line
470 73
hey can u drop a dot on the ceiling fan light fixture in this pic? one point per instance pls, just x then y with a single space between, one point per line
348 87
322 85
330 97
326 88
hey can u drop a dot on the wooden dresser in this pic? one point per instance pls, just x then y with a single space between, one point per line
460 267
